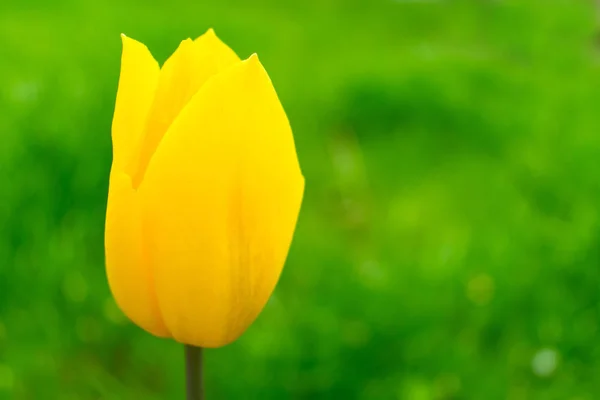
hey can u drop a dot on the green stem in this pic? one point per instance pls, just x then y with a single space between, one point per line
193 372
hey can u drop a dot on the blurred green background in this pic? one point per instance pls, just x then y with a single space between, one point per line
449 241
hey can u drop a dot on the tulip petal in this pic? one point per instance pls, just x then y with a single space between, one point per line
137 84
220 199
182 75
126 263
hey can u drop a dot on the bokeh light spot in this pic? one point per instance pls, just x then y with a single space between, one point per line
544 362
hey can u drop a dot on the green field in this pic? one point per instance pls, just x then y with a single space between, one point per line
448 245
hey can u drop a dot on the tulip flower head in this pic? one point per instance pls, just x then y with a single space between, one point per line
205 190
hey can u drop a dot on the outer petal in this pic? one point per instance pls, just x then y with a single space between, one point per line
220 202
127 269
137 84
182 75
126 263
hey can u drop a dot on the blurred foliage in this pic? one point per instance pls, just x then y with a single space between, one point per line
448 246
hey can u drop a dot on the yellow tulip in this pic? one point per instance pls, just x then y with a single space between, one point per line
205 190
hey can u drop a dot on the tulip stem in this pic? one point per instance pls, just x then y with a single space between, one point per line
193 371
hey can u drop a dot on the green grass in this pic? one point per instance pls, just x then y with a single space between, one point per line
450 229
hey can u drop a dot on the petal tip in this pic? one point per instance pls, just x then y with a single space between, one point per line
209 35
128 40
253 61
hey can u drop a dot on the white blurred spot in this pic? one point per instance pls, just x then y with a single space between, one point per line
544 362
